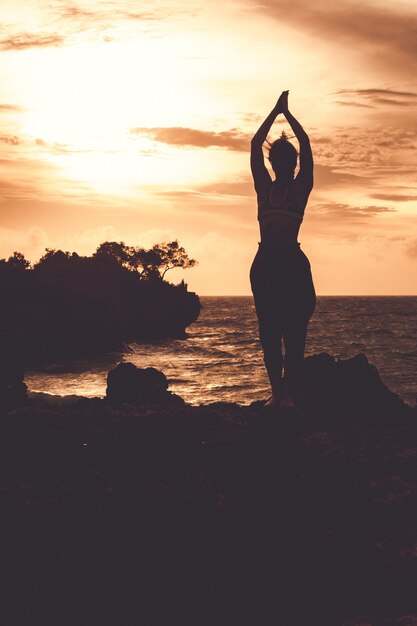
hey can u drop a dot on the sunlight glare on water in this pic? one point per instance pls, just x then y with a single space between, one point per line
221 359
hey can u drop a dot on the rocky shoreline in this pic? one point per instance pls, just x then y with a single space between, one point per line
141 508
67 306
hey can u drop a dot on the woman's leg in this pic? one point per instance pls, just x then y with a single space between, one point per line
270 328
270 335
301 306
295 333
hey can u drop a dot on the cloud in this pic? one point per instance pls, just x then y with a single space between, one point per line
75 12
229 196
374 97
87 241
31 243
242 187
106 17
355 104
339 221
180 136
36 238
10 107
327 177
412 249
24 177
366 147
339 211
372 93
212 203
393 197
30 177
388 35
102 16
212 240
61 148
104 11
23 41
152 236
11 140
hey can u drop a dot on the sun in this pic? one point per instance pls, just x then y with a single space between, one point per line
84 101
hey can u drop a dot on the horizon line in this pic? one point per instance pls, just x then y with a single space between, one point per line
321 295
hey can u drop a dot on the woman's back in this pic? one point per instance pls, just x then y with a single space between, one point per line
280 212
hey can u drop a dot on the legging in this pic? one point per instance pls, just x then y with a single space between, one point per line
285 299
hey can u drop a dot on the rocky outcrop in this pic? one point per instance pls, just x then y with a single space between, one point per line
345 387
129 384
13 391
220 515
84 310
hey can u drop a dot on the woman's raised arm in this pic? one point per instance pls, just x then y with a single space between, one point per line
260 174
305 174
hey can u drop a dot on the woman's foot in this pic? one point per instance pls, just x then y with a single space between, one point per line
287 403
287 400
272 403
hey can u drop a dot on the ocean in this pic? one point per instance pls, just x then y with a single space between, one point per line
221 360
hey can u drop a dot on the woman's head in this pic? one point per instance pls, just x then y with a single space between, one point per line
283 156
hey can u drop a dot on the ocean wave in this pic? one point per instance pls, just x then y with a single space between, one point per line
227 387
411 354
223 346
178 381
55 399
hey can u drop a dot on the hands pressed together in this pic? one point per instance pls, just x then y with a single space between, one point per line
282 103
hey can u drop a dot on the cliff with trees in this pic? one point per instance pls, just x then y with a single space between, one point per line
67 305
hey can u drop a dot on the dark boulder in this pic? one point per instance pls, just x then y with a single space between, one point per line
13 391
346 386
127 383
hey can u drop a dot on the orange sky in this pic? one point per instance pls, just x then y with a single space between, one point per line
129 120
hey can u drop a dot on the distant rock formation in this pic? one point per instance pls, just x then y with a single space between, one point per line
87 306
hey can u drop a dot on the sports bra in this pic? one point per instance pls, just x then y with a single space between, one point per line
290 205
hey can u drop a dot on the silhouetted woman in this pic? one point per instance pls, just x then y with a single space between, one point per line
280 274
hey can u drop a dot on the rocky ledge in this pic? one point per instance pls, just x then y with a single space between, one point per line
140 508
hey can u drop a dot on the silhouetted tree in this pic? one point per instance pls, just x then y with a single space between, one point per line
172 255
18 261
116 251
56 260
150 263
146 262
